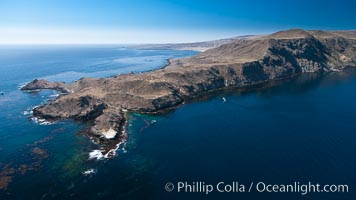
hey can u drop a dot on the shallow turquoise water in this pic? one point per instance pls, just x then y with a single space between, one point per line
301 129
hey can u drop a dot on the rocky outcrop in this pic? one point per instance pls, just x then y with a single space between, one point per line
43 84
103 101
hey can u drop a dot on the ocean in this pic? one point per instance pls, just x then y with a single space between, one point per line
296 130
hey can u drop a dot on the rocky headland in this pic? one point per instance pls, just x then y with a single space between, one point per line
103 102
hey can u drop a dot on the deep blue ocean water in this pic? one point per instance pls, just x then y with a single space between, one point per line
302 129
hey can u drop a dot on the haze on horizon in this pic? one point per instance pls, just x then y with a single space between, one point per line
162 21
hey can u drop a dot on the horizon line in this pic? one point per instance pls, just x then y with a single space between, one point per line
28 43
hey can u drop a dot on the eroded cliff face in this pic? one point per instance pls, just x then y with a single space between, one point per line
104 101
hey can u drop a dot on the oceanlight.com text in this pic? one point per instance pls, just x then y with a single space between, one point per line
260 187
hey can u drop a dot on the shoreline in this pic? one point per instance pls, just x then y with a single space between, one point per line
102 101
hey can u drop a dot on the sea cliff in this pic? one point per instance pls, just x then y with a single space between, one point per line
103 102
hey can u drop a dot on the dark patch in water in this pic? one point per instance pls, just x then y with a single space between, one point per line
6 175
36 156
148 124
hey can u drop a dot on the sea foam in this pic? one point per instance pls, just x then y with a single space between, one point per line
89 172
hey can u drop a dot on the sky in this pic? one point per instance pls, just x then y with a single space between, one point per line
163 21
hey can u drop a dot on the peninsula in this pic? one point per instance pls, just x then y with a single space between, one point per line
103 102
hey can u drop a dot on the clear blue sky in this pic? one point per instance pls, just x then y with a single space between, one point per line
152 21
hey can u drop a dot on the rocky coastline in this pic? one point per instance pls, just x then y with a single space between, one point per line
104 102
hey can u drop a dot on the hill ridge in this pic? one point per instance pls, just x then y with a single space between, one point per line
103 102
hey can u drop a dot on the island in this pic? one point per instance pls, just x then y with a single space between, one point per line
104 102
